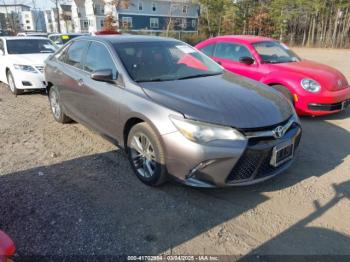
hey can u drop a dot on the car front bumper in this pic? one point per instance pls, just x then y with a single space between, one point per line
29 80
225 163
327 102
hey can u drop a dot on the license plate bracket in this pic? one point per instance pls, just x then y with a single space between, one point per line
282 153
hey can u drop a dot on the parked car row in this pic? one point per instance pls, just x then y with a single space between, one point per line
177 112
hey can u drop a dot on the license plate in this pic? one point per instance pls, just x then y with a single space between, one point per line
344 105
282 153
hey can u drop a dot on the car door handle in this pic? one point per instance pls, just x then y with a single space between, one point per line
80 82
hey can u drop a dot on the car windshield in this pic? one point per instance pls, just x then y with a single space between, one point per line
274 52
29 46
164 61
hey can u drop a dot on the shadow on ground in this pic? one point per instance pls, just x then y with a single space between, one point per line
95 205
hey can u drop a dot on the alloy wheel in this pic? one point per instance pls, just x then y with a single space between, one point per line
143 155
55 106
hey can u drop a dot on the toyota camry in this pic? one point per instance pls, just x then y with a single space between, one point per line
176 112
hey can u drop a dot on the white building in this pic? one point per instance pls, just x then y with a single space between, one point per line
49 21
80 21
13 15
95 14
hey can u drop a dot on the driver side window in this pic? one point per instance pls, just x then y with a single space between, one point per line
99 58
231 51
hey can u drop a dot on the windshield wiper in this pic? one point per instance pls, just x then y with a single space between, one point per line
199 75
153 80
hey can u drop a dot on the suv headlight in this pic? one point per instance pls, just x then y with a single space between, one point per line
25 68
201 132
310 85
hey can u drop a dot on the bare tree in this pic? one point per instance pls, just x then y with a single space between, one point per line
57 3
111 23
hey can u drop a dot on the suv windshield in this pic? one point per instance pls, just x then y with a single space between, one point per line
29 46
164 61
274 52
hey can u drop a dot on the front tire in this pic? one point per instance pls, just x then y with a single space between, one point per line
146 155
12 84
56 108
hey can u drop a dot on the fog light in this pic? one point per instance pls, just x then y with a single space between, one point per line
200 166
26 83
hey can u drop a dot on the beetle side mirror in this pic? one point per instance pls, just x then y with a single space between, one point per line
246 60
105 75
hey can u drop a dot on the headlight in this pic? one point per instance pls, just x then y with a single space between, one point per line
26 68
310 85
201 132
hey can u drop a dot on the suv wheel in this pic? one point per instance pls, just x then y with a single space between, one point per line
56 108
12 84
146 155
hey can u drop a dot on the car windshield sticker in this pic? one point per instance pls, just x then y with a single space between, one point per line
186 49
65 37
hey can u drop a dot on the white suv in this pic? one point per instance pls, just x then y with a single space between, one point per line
22 62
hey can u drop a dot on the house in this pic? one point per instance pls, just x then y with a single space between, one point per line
33 20
95 14
49 21
65 17
13 15
159 15
80 21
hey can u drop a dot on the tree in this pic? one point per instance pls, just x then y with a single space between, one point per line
57 4
111 21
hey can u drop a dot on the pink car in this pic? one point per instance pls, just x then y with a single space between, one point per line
314 88
7 248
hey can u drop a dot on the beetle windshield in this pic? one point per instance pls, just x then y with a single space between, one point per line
274 52
29 46
164 61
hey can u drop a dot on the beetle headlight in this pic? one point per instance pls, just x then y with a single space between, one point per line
310 85
201 132
25 68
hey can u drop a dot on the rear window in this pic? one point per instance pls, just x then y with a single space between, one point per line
29 46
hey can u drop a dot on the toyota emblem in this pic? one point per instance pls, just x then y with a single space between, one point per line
278 132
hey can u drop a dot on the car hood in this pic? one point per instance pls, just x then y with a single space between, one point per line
329 77
29 59
226 99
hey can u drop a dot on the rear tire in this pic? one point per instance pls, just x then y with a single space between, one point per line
284 90
146 155
56 108
12 84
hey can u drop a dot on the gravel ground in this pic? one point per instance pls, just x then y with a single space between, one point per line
66 191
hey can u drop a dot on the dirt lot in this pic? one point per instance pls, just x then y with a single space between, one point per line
64 190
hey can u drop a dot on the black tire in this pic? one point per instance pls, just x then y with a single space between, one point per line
12 84
56 108
284 90
138 163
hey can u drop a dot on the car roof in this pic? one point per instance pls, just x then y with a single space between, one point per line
113 39
58 34
248 39
23 37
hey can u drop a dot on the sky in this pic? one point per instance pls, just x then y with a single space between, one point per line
42 4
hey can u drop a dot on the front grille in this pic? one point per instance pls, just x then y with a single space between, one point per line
255 161
40 68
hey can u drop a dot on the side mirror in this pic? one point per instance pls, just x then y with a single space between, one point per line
105 75
1 52
246 60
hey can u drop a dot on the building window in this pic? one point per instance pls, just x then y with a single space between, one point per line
140 6
101 23
154 22
127 22
194 23
28 27
184 23
154 7
27 22
185 9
